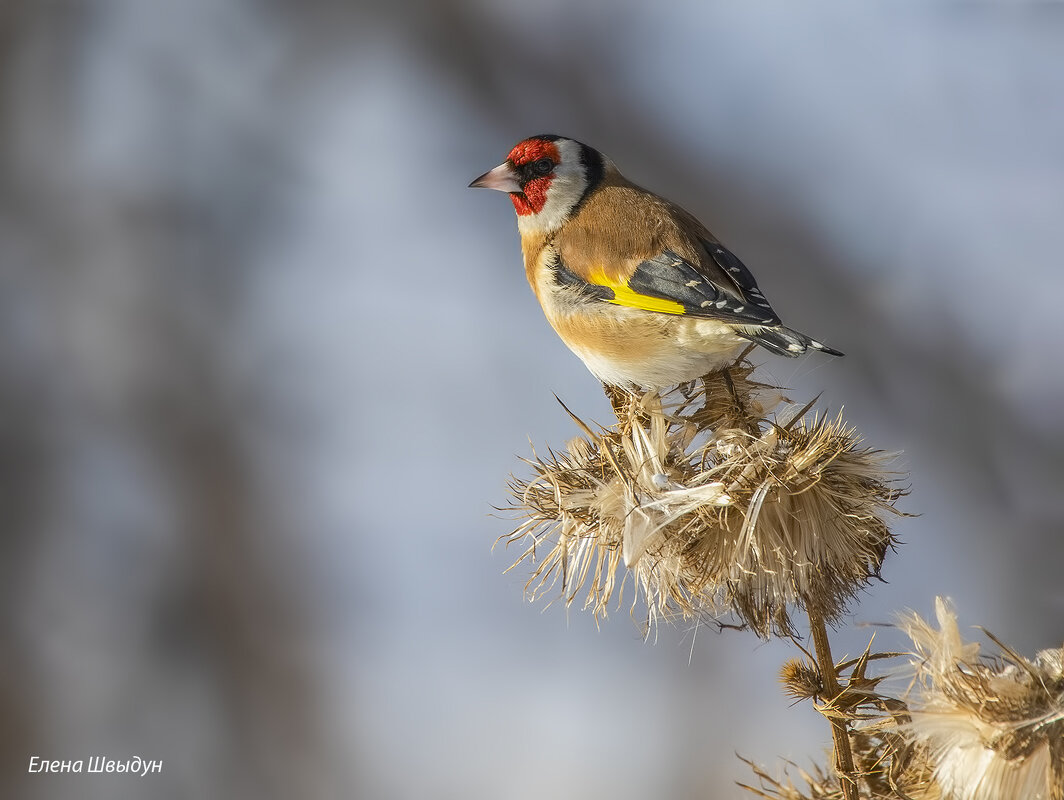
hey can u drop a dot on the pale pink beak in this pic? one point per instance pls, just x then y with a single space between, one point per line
503 178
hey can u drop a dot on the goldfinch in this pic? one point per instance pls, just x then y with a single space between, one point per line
633 284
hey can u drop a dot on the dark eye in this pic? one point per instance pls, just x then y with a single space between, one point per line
542 166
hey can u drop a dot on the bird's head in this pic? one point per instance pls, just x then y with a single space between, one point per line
547 177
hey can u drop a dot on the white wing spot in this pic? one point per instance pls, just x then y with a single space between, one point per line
795 348
707 303
739 309
721 303
693 284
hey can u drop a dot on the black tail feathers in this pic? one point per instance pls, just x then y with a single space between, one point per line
785 342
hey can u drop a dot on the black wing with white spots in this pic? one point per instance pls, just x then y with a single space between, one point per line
701 294
738 273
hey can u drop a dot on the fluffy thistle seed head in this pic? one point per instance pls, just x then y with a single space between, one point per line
992 727
712 507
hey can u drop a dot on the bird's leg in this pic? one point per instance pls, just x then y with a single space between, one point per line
741 413
619 399
730 384
627 406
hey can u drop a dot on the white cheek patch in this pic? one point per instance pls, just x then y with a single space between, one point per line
566 188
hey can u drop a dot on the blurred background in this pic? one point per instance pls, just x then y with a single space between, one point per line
266 363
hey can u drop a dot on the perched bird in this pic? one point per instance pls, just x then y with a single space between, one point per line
634 285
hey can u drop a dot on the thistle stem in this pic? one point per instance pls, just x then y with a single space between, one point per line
839 731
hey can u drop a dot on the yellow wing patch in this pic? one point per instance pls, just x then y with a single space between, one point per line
624 295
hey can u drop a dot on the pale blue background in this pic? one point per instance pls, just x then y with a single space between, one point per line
265 364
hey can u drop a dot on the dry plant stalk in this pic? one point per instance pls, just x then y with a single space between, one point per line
887 764
713 504
818 784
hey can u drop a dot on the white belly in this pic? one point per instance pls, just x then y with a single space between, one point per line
671 362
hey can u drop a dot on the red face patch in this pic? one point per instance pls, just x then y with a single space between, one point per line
532 149
534 194
533 198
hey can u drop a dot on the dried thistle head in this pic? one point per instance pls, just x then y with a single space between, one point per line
712 504
801 679
993 727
